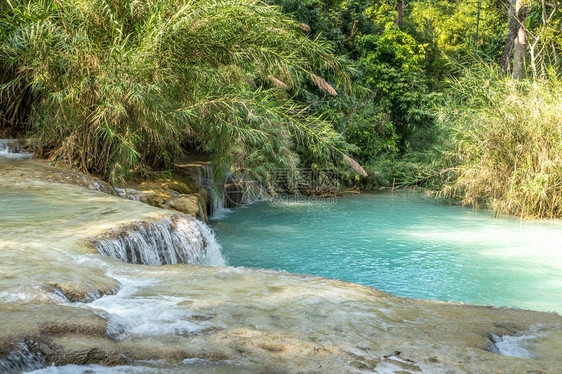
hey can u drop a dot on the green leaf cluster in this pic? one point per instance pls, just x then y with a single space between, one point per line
119 88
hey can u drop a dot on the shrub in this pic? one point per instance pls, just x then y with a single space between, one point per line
507 143
116 87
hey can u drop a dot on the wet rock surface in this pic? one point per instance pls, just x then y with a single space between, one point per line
79 290
323 326
182 191
41 170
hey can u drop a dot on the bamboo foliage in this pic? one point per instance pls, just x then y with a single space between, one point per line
507 143
115 87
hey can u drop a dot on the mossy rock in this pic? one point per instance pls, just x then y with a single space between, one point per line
182 186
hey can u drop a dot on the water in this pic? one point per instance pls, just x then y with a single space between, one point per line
406 245
217 194
12 149
46 229
62 301
238 188
167 241
20 360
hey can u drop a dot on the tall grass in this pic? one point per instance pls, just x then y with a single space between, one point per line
117 87
507 143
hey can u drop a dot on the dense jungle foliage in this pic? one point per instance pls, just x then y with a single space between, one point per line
460 96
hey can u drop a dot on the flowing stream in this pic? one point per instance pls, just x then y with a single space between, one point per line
91 282
404 244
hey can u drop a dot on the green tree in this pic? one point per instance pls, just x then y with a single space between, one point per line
117 87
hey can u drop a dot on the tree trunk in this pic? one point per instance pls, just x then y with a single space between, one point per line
513 27
400 7
520 44
477 25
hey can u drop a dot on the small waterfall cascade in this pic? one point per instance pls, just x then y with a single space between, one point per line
216 194
21 359
512 346
12 148
171 240
239 188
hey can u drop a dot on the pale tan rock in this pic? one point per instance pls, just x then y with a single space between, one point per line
188 204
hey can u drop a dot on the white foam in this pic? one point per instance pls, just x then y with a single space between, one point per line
168 241
221 213
514 345
133 313
11 148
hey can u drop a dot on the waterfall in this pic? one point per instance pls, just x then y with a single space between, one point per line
216 194
170 240
240 188
21 359
12 148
